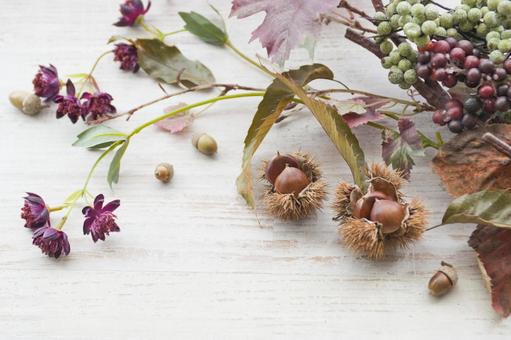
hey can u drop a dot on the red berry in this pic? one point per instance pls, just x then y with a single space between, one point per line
439 74
453 103
458 54
430 46
442 46
471 62
450 81
486 91
466 46
507 65
455 113
489 106
438 60
438 117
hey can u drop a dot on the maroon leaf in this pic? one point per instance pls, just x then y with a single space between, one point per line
361 110
287 24
493 247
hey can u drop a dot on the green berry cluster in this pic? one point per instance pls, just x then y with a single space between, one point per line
400 62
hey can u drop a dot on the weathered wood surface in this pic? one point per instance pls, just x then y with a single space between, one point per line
192 262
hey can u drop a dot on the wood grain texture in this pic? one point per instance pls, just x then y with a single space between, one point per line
192 262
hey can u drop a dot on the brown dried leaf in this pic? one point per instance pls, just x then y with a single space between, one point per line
493 247
466 164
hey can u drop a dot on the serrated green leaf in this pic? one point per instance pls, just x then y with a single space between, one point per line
99 137
276 98
168 65
338 131
115 165
488 207
203 28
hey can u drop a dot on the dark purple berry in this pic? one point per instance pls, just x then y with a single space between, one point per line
502 90
438 60
507 65
439 74
424 57
501 104
469 121
500 74
442 46
458 55
473 76
489 106
476 52
423 71
455 126
450 81
466 46
472 105
486 66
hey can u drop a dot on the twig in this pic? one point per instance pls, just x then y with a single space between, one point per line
226 87
378 5
440 5
497 143
346 5
430 90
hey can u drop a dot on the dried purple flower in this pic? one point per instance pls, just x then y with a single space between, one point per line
127 55
99 219
131 10
69 104
46 82
98 104
34 211
52 242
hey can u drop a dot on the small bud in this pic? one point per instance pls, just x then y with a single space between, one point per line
291 181
17 97
164 172
205 144
32 105
443 280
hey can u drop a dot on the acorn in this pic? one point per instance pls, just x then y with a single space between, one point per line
277 164
164 172
379 219
297 190
443 280
26 102
205 144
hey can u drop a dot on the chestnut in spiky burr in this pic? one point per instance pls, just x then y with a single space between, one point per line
295 189
379 219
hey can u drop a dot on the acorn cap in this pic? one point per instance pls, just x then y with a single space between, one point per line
449 271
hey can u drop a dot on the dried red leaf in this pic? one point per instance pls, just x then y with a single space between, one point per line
467 164
493 247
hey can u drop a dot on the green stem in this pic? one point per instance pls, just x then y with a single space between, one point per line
173 32
191 106
247 58
71 204
89 75
57 208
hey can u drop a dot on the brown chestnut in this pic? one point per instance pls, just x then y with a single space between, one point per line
389 214
363 207
291 181
277 164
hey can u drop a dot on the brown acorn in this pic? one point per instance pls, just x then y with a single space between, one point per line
443 280
379 219
277 164
297 190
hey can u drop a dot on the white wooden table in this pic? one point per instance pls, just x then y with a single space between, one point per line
192 262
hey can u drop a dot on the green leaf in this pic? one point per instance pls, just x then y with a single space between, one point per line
489 207
338 131
99 137
73 197
203 28
168 65
115 38
276 98
115 165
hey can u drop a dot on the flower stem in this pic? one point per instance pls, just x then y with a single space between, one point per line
191 106
89 75
84 191
247 58
173 32
57 208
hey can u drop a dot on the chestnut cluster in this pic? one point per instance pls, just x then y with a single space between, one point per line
295 187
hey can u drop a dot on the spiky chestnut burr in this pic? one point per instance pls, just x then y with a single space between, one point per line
373 222
294 204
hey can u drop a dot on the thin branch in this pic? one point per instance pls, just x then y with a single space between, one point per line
497 143
344 4
226 88
378 5
365 42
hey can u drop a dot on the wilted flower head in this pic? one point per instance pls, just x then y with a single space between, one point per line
99 219
52 242
127 55
131 10
34 211
97 104
69 104
46 82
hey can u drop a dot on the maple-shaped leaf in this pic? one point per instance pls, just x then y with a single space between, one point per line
493 247
398 149
360 110
287 24
467 164
176 123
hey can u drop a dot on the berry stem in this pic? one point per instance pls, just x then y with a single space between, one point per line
89 75
247 58
57 208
